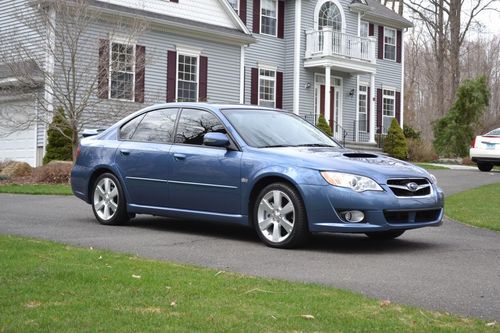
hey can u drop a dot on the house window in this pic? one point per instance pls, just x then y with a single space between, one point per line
363 108
388 108
389 44
267 87
122 71
187 78
364 29
268 19
330 16
236 5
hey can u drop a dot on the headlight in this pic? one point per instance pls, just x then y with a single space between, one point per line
354 182
433 179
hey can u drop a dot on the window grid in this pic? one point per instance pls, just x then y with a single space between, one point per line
363 108
267 87
187 78
122 71
388 108
364 29
329 16
236 5
389 43
268 17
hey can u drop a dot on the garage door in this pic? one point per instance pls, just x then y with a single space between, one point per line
17 144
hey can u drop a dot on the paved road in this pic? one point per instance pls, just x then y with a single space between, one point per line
453 268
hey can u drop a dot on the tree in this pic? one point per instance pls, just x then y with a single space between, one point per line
323 125
59 146
395 141
454 131
63 73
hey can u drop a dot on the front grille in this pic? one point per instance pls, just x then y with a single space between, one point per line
411 216
410 187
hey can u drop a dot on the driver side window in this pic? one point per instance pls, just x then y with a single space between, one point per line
194 124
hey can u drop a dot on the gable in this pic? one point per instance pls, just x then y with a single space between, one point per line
214 12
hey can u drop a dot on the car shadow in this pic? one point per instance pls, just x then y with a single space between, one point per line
334 243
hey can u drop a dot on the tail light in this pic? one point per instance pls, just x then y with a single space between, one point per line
473 142
77 154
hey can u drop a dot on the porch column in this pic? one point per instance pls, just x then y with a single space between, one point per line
373 108
327 93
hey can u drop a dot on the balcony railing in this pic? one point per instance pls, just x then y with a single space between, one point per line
327 42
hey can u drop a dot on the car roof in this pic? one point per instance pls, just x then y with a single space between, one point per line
213 106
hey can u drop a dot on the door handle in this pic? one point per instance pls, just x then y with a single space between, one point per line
178 156
124 152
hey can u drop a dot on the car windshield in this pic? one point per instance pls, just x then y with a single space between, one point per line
267 129
494 132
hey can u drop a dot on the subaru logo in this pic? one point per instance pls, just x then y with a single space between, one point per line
413 187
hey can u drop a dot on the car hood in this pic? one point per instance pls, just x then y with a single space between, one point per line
376 166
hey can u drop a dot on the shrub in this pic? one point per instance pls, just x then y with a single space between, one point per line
59 146
53 173
420 151
395 142
410 132
16 169
323 126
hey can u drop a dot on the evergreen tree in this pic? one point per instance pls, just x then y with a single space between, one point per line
455 130
323 126
59 146
395 142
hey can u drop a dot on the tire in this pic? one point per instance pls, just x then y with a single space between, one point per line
282 224
381 235
484 166
108 201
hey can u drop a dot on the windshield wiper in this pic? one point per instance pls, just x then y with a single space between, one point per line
314 145
276 146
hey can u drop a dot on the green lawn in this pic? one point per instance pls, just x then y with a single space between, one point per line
49 287
431 167
479 207
59 189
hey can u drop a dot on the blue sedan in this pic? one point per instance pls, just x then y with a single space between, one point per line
253 166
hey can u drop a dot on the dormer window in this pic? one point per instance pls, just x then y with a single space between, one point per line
236 5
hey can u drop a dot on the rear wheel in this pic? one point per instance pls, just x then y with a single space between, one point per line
280 217
108 201
484 166
390 234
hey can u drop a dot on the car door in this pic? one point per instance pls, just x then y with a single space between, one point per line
203 178
143 157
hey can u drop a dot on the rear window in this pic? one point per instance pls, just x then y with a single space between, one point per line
494 132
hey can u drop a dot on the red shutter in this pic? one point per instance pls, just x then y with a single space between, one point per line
171 75
279 90
103 68
254 91
256 16
281 19
140 72
368 107
380 42
202 93
399 40
243 11
371 29
398 107
379 111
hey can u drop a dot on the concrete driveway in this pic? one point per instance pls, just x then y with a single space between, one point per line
453 268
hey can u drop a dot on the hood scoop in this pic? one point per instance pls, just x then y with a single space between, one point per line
360 155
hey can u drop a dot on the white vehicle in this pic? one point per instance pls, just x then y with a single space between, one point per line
485 150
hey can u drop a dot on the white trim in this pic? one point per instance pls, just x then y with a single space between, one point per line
49 61
365 93
277 20
356 138
188 50
395 44
319 4
389 87
402 88
384 96
267 68
188 54
242 74
296 57
110 68
121 39
235 16
373 108
319 80
359 26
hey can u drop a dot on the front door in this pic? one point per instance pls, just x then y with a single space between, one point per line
332 104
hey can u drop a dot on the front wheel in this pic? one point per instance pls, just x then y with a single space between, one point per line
484 166
280 217
108 201
390 234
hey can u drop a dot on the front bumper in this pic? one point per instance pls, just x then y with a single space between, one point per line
383 210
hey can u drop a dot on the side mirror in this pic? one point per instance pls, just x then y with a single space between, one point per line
216 139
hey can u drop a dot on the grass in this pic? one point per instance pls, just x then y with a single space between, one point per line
431 166
55 189
479 207
48 287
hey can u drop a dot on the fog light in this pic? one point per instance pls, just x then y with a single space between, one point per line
353 216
